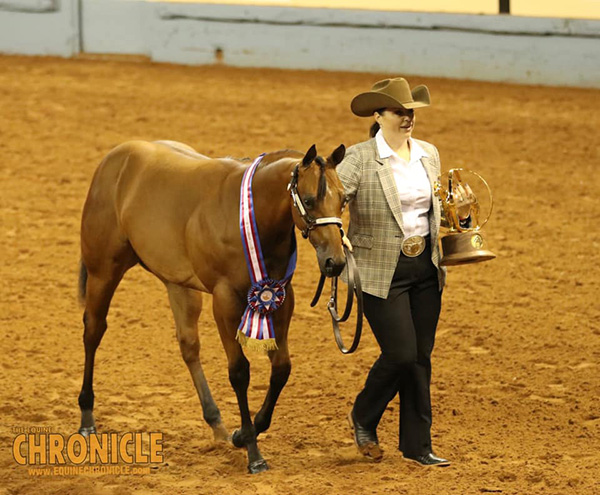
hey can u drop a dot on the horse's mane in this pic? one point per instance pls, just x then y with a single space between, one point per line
278 155
269 158
275 156
322 190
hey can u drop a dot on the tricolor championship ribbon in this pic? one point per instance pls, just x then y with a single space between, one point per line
266 295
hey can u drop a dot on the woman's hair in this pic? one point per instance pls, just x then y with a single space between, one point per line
375 127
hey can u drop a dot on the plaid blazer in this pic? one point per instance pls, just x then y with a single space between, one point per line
376 229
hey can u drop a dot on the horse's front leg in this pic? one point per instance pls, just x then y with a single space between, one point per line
281 365
227 315
280 371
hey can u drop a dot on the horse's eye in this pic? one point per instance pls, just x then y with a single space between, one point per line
309 202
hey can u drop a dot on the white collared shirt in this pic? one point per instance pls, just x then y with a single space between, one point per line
412 183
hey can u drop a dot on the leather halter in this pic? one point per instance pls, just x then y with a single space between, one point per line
310 221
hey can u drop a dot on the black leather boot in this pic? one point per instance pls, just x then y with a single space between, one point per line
428 460
366 441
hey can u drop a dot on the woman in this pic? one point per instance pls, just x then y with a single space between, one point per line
394 228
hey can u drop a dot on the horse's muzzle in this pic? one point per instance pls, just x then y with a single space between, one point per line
333 269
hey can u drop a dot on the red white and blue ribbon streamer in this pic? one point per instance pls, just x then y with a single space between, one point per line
265 295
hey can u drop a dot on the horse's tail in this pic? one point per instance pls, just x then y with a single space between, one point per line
83 275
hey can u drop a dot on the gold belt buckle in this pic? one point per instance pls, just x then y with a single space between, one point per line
413 246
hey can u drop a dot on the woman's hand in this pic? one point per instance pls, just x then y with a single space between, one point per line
463 199
346 242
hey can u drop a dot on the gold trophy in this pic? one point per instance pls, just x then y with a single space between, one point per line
463 215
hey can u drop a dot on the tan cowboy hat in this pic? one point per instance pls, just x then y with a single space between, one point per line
390 93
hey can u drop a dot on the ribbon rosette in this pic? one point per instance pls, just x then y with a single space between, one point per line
266 296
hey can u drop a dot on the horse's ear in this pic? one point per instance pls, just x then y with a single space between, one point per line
338 155
311 154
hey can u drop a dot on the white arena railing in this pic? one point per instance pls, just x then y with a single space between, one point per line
537 43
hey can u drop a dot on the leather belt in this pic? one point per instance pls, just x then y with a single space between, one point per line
413 246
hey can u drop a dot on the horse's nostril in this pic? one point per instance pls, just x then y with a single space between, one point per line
333 269
329 267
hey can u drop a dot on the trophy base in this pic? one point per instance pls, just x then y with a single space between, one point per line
462 248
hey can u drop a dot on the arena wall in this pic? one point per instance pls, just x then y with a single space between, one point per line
40 27
519 49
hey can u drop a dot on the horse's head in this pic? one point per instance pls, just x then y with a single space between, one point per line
318 201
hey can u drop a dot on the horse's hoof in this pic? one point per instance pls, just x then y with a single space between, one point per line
237 440
86 431
220 433
259 466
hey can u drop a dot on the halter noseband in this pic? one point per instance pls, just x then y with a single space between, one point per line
309 220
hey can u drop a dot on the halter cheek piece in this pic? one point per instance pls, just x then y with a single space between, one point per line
309 220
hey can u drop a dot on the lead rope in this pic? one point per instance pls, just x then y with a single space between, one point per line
354 289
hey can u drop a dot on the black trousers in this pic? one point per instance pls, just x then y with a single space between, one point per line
404 325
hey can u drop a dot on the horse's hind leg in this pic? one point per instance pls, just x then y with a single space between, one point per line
100 287
187 305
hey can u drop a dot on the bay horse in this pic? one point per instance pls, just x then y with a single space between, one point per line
176 213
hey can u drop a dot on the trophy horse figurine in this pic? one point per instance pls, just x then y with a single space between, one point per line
462 219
